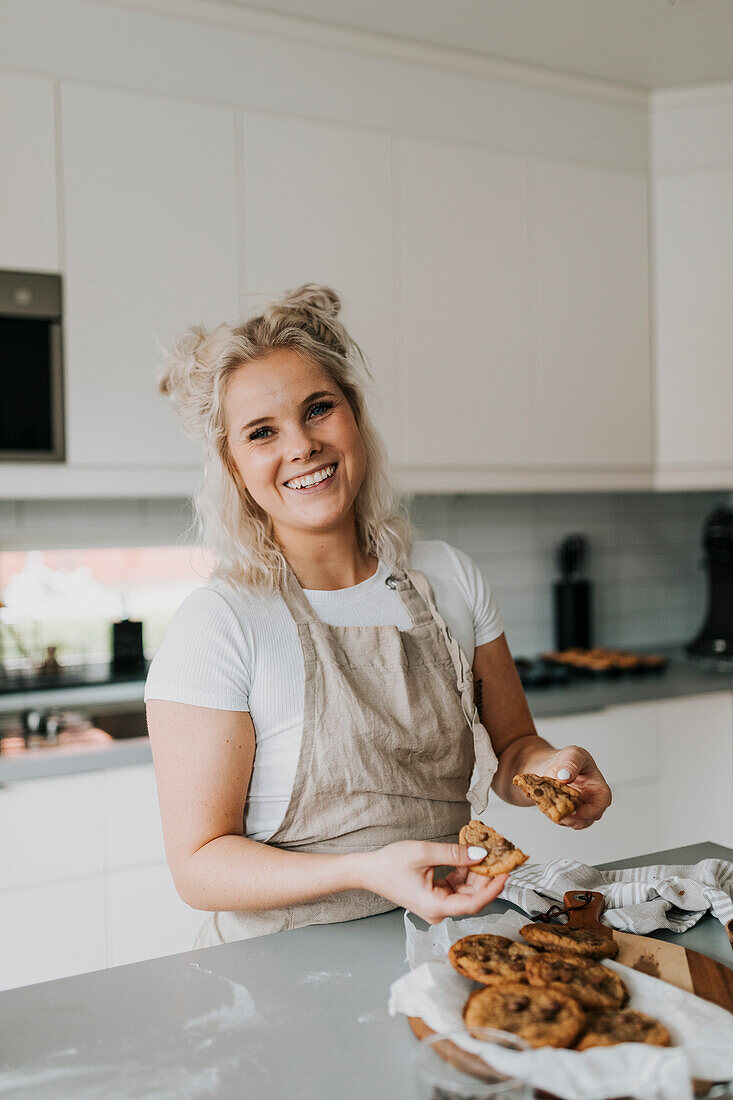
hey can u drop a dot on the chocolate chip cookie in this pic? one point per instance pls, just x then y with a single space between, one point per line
556 800
490 959
606 1027
502 855
574 941
592 985
542 1017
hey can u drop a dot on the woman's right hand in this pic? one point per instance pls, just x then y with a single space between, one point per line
404 872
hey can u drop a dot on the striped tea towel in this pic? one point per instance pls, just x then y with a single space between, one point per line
637 899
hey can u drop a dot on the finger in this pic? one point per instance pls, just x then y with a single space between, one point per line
458 877
461 903
575 822
434 854
567 764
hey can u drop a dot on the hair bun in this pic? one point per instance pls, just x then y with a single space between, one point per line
314 308
312 298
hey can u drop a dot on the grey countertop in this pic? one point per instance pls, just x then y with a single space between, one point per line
682 677
299 1014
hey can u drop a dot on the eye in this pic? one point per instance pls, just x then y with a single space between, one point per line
322 405
257 434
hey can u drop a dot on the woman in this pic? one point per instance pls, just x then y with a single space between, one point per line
314 718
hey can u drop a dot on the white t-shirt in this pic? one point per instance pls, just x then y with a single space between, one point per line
240 651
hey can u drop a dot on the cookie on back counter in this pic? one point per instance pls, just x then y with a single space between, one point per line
592 985
606 1027
502 855
576 941
542 1017
556 800
490 959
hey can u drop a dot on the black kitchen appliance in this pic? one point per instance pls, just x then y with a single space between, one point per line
127 646
572 595
716 637
32 404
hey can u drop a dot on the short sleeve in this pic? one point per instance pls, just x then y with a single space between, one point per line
487 621
205 658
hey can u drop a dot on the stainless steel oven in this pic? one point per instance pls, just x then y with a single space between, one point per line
31 368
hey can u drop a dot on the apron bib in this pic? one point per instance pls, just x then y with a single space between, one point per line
391 738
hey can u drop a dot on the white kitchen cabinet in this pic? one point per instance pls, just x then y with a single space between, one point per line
628 826
83 879
461 226
146 917
151 244
693 236
317 201
623 741
52 931
696 770
669 764
134 835
51 829
589 310
29 239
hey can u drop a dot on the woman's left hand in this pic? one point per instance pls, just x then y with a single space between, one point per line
576 766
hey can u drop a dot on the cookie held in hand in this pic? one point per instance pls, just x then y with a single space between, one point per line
574 941
542 1017
556 800
501 857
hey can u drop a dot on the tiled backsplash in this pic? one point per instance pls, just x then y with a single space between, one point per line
645 550
644 561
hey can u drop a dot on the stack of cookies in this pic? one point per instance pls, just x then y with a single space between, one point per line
551 990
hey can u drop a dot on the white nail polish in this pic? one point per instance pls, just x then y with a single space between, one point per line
477 853
563 775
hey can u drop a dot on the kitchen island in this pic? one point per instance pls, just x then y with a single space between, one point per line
299 1014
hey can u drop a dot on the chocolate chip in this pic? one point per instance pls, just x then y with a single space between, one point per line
517 1004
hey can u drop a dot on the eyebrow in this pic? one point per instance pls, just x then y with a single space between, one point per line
265 419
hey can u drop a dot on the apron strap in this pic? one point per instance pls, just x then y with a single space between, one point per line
485 757
415 605
295 600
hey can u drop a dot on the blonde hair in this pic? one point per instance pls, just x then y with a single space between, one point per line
228 520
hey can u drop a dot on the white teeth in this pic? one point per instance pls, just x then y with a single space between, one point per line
312 479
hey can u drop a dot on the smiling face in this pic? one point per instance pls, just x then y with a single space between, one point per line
287 419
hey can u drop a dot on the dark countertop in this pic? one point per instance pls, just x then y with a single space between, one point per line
296 1014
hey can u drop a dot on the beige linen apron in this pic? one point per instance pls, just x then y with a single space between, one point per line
391 736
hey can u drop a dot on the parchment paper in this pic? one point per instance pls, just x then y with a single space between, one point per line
702 1032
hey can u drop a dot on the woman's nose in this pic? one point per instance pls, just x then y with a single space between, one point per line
301 442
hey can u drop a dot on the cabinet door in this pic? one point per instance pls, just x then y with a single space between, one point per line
52 932
51 829
590 314
461 228
696 781
150 201
28 221
694 273
628 827
147 919
318 209
134 832
623 742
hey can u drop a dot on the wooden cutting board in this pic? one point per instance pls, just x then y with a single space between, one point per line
673 963
680 966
